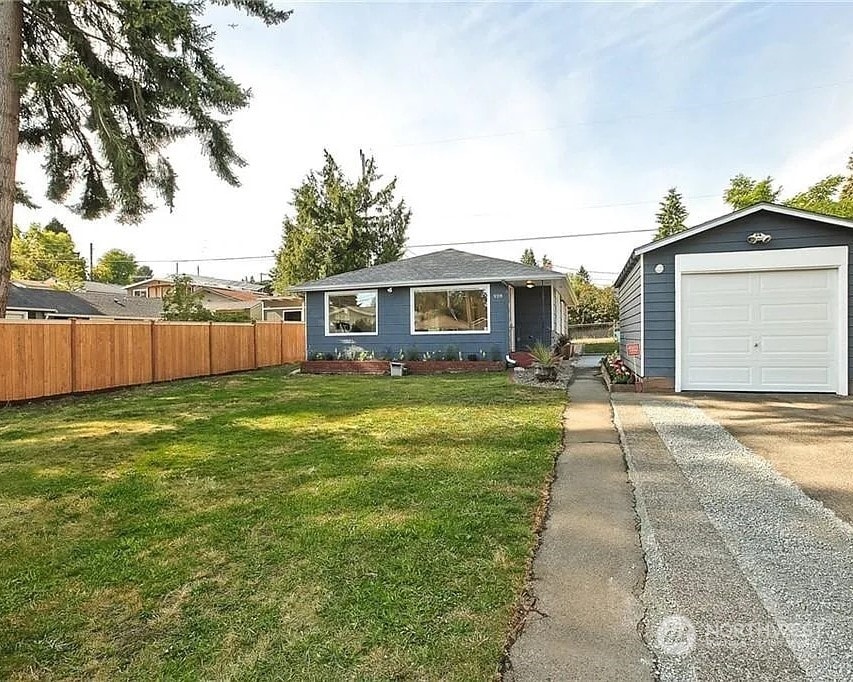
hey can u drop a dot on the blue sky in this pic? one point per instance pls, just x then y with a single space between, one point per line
505 120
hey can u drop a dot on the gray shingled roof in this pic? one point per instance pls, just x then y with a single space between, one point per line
83 304
102 288
441 267
121 305
49 300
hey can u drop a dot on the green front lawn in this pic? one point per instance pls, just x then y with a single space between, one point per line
265 526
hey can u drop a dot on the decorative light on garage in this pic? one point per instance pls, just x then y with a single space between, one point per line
758 238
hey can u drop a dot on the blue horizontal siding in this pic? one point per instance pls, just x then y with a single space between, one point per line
394 327
630 317
659 289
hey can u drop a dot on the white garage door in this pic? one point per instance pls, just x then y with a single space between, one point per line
760 331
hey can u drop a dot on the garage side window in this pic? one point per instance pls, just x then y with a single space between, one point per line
450 310
351 312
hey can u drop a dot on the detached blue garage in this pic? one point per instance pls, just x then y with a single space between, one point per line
756 300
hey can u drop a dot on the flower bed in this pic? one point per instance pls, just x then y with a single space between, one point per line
617 377
413 366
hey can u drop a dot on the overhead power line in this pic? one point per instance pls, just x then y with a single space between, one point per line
532 239
506 240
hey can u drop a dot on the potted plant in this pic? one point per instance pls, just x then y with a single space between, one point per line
544 362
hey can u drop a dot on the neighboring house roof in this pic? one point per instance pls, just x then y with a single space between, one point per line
441 267
49 301
201 281
82 303
122 305
230 305
103 288
722 220
234 294
282 302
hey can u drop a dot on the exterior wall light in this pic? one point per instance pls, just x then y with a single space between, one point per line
529 284
659 268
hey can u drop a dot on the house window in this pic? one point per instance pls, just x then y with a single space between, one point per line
283 314
351 312
451 310
140 293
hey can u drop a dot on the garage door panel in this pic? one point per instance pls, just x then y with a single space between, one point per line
815 378
789 280
735 283
797 313
715 345
729 376
787 344
754 331
715 314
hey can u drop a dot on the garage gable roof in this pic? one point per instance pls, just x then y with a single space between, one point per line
722 220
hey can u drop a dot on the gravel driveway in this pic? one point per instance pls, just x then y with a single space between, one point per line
748 577
808 439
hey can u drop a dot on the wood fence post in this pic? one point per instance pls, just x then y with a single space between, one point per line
210 349
255 343
153 347
73 362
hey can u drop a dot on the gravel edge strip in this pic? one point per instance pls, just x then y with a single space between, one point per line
770 528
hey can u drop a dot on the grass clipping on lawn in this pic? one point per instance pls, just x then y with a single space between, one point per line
259 525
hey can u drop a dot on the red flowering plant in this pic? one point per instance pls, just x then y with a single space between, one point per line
619 373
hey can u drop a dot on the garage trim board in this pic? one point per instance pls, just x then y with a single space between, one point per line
833 258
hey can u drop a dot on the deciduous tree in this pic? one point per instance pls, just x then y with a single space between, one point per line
181 302
744 191
41 254
595 304
340 224
115 267
102 88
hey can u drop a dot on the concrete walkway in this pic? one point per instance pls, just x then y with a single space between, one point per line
589 570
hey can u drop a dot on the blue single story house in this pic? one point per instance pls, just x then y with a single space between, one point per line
756 300
426 304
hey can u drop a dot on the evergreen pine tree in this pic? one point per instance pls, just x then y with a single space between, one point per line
528 258
102 88
672 215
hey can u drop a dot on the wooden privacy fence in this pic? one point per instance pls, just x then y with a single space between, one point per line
50 357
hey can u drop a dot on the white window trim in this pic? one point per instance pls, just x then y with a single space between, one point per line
451 287
351 292
817 258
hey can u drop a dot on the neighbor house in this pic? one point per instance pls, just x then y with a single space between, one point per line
756 300
217 295
213 289
34 301
476 304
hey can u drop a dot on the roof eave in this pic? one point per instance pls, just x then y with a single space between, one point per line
735 215
319 286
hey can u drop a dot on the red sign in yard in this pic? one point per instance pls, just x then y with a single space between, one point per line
632 349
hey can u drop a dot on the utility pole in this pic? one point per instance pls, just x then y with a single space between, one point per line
91 262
